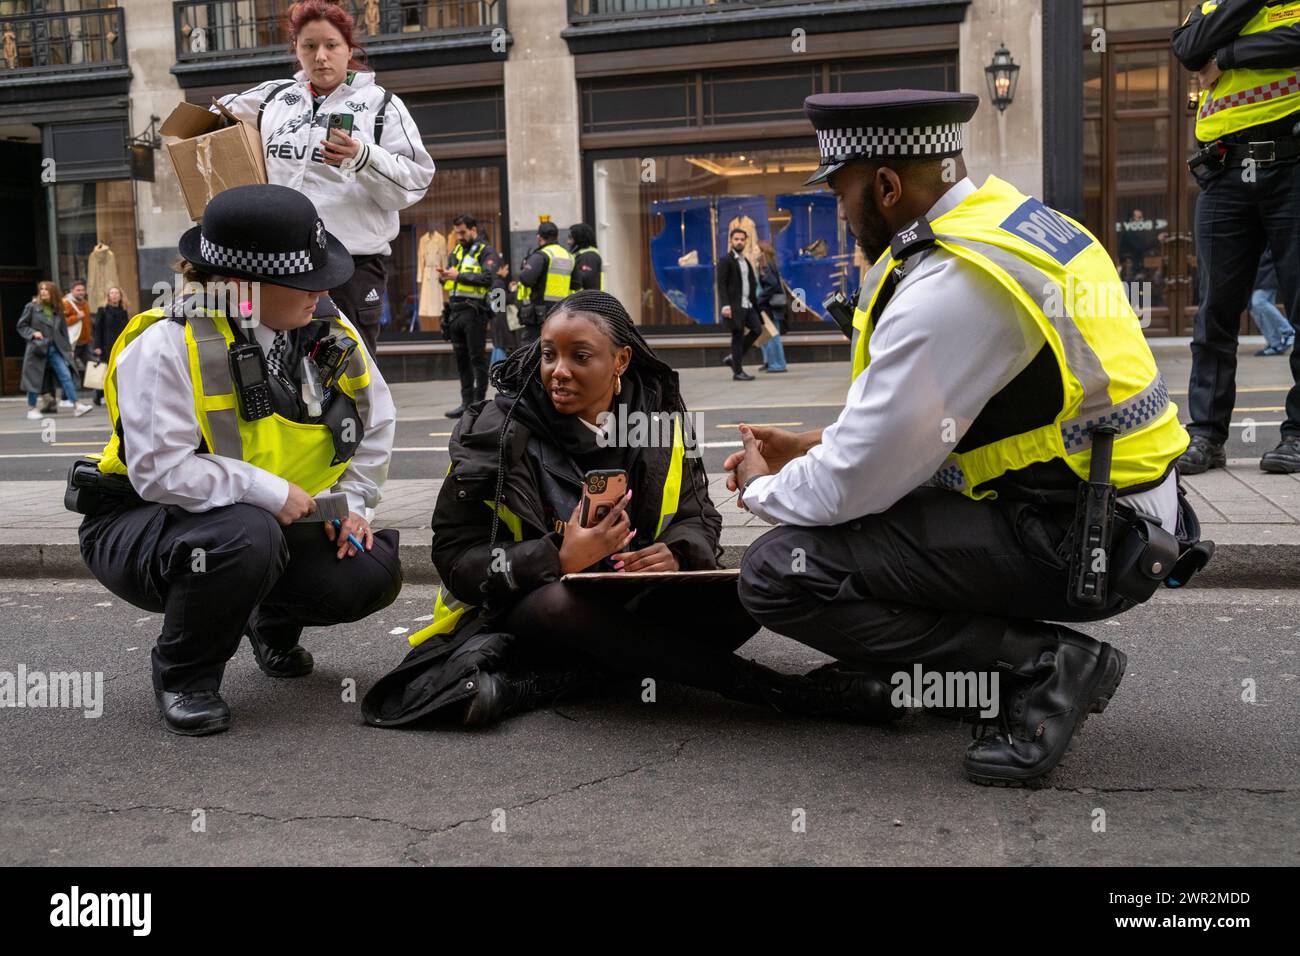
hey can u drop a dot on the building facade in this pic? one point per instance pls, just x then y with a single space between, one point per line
659 122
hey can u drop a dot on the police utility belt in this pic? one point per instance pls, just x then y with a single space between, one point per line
1118 548
260 395
1276 143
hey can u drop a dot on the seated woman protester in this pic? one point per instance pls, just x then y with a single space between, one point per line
507 527
201 505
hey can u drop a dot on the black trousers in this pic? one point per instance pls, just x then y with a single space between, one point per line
361 298
744 332
680 632
937 579
1234 221
468 334
212 574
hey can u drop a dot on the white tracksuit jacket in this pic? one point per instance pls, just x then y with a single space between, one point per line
358 204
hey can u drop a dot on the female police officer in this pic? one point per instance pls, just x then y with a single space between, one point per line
225 444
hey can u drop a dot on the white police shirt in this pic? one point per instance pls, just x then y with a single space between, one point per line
156 408
942 348
358 201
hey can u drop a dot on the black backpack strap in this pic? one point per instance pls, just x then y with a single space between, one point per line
379 116
274 93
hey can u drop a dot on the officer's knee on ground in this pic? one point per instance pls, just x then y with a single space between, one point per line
770 587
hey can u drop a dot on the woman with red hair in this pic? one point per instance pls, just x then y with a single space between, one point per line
359 174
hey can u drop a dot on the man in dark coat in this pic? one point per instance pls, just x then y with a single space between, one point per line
738 293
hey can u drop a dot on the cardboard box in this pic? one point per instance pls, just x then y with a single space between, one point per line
216 151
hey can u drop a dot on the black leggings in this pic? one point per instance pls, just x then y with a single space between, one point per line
685 632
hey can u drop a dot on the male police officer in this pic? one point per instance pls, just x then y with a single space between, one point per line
545 279
980 368
467 281
1247 56
217 450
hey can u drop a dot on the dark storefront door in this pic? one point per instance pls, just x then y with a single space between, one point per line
1140 197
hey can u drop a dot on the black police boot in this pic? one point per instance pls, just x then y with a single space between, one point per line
1201 455
193 713
294 662
829 692
500 694
1053 693
456 412
1284 459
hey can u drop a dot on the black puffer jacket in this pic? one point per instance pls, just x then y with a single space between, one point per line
536 473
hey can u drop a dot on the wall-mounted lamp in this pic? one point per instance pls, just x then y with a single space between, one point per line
1003 75
141 149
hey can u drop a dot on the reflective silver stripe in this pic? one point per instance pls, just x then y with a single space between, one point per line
873 278
1079 355
1129 415
214 367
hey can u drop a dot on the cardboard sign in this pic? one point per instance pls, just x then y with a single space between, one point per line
216 151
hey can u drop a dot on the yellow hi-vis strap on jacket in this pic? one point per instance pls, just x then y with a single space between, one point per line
578 252
1242 98
299 452
467 261
1067 282
447 611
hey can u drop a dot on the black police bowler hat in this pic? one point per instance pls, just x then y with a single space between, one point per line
267 232
886 124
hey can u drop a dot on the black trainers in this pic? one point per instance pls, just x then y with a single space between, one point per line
1201 455
827 693
456 412
500 694
1284 459
1039 715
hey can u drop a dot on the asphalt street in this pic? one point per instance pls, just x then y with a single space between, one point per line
1179 769
31 450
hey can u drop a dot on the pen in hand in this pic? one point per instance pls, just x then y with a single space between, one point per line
338 526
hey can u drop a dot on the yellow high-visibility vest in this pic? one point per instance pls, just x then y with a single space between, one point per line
1242 98
466 261
299 452
1067 281
559 270
448 611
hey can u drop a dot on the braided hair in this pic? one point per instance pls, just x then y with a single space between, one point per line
513 375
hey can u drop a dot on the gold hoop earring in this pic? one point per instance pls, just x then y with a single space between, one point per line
618 384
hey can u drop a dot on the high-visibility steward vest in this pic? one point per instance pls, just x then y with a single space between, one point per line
559 272
1243 98
1066 280
448 611
578 252
466 261
299 452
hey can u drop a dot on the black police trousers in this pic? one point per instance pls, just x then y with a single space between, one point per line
468 324
213 573
1235 221
937 579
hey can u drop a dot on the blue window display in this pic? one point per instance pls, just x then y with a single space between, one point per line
814 255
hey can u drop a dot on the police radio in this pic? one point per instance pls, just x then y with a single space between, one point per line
841 312
248 369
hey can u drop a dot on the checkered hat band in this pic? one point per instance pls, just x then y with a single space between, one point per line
837 145
263 263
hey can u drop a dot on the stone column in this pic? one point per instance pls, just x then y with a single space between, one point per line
1010 144
541 100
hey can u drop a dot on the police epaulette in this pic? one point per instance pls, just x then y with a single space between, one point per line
912 239
325 308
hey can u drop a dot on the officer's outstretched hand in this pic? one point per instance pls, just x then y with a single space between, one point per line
354 525
298 505
775 446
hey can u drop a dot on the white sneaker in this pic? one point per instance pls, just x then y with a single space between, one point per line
64 403
35 414
82 408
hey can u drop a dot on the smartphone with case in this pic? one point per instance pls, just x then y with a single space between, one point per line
601 490
341 121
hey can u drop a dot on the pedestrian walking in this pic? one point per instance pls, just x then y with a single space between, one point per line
772 305
738 293
1279 334
110 320
44 326
358 174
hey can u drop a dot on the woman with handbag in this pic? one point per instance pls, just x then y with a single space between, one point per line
44 327
110 320
771 305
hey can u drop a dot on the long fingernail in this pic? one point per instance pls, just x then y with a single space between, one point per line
619 566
